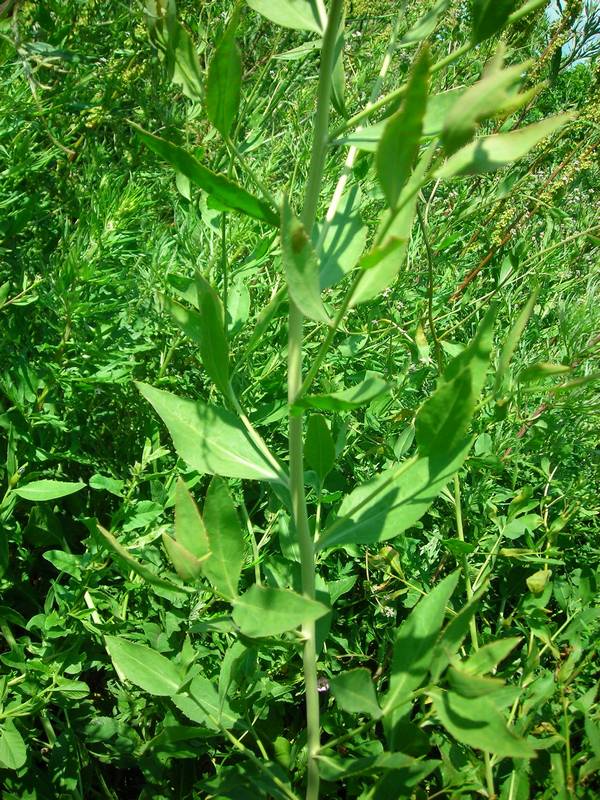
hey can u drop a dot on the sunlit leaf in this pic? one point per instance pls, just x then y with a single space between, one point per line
225 539
319 447
300 15
224 83
144 667
38 491
347 399
354 692
263 611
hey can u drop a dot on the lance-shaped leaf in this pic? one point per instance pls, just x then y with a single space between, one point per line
224 83
362 393
187 566
223 567
490 153
301 266
425 26
338 76
453 635
393 501
190 530
490 655
398 769
301 15
201 703
443 419
512 339
414 646
354 692
394 226
263 611
144 667
41 490
319 447
399 143
209 438
477 722
225 191
488 17
344 240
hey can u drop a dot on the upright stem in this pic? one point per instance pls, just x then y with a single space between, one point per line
296 444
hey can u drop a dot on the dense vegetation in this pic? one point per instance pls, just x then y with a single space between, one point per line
450 614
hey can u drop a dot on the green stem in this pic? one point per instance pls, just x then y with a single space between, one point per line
296 444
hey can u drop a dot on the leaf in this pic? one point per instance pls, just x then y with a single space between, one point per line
319 448
201 703
394 225
144 667
182 62
489 153
224 83
393 501
190 531
541 370
454 634
487 658
347 399
478 723
344 242
263 611
444 418
187 566
414 646
209 438
512 340
13 752
225 191
425 26
136 566
225 539
354 692
205 328
488 17
301 15
301 266
333 767
338 75
399 143
38 491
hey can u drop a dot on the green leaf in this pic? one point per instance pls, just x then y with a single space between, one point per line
182 62
541 370
225 538
490 655
187 566
205 328
393 501
190 531
399 143
444 418
414 646
425 26
512 340
347 399
354 692
489 153
338 76
144 667
301 266
469 685
478 723
394 225
201 703
334 768
344 241
301 15
37 491
488 17
319 448
224 83
209 438
13 752
223 190
263 611
453 635
123 555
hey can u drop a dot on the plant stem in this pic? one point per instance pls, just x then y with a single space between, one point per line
296 444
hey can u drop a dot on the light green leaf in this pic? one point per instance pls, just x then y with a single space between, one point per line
224 83
301 15
209 438
338 76
478 723
144 667
13 752
319 448
490 655
344 240
38 491
489 153
393 501
414 646
468 685
182 62
187 566
301 266
512 340
444 418
488 17
263 611
394 225
425 26
347 399
65 562
201 703
399 143
454 634
413 770
541 370
227 193
225 538
190 531
354 692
